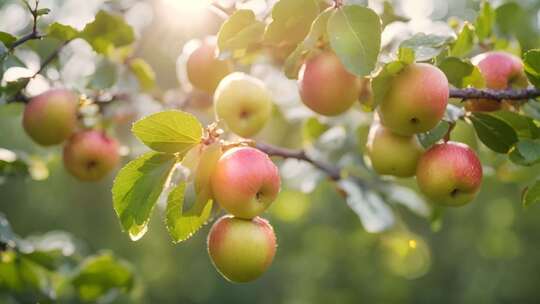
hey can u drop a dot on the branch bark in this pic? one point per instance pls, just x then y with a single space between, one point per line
498 95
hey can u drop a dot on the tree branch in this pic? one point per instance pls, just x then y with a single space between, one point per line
34 35
498 95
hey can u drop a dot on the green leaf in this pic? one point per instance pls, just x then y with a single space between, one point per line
475 79
318 30
312 129
355 36
431 137
464 42
484 21
137 188
523 125
406 55
169 131
98 275
456 69
43 11
526 152
105 75
239 32
426 47
291 21
531 61
382 81
183 224
7 39
495 133
144 73
513 20
62 32
531 195
107 31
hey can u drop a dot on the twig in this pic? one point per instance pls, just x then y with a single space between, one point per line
498 95
34 35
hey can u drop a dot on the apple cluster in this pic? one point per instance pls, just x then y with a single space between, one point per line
51 118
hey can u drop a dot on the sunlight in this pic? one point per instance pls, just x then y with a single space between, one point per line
188 7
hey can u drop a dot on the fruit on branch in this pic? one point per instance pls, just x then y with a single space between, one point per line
244 103
449 174
501 71
51 117
326 87
240 249
204 69
416 100
245 182
392 154
90 155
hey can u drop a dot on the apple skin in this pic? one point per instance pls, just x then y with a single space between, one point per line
244 103
245 182
325 86
501 71
416 100
204 70
241 250
392 154
90 155
449 174
51 117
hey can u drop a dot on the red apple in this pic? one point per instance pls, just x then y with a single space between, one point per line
204 69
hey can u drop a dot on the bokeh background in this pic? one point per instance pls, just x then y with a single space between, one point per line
487 252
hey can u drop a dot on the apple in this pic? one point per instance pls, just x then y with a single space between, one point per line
204 69
416 100
325 86
449 174
51 117
244 103
245 182
392 154
241 250
90 155
501 71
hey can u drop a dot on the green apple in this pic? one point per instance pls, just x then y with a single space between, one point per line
416 100
51 117
326 87
244 103
392 154
449 174
241 250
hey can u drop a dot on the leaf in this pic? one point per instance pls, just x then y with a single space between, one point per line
464 42
182 225
105 75
355 36
410 199
312 129
137 188
107 31
239 32
169 131
318 30
484 21
523 125
526 152
531 195
494 132
43 11
207 163
144 73
291 21
429 138
383 80
456 70
531 61
426 47
513 20
7 39
62 32
100 274
406 55
373 212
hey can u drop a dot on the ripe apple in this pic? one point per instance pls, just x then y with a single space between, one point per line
90 155
326 87
241 250
204 69
501 71
51 117
449 174
244 103
392 154
416 100
245 182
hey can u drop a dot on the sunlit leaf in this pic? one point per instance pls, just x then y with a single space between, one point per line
291 21
426 47
61 32
144 73
107 31
464 42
